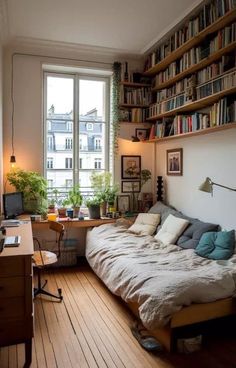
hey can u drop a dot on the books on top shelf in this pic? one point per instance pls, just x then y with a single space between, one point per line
209 14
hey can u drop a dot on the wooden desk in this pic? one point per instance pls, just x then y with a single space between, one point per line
16 297
76 223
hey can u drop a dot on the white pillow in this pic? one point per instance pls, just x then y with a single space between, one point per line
145 224
171 229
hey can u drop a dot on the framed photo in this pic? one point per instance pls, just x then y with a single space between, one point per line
142 134
123 203
130 167
130 186
174 161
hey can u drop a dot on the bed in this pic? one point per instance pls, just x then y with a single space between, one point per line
166 286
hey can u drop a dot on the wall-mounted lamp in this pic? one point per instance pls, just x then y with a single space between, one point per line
207 186
13 157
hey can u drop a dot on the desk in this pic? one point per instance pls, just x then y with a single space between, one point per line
77 223
16 297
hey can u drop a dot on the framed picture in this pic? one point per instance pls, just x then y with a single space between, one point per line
130 167
130 186
123 203
174 161
142 134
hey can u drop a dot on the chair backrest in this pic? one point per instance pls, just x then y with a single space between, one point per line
59 229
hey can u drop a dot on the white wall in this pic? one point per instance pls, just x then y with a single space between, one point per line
1 108
212 155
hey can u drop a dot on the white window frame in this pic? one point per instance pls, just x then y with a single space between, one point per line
108 163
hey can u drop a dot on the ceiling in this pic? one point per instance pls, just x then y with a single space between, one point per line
126 25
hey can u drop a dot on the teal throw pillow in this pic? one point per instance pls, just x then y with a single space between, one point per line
216 245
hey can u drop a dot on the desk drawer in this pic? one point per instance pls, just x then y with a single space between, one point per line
12 308
12 266
12 287
16 332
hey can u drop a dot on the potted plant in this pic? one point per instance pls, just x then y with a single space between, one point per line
75 199
104 189
53 201
34 188
93 205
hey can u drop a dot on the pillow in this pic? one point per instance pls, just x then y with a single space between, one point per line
171 230
216 245
192 235
145 224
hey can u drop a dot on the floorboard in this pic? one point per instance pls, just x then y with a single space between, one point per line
90 328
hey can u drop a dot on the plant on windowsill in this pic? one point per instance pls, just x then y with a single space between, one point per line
93 205
53 201
74 199
34 188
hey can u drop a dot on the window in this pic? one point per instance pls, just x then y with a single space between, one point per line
83 133
68 144
97 163
68 163
50 143
50 163
97 144
50 183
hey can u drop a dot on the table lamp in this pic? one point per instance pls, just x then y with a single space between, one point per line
207 186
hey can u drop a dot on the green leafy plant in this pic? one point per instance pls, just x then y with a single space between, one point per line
74 198
34 188
145 176
103 187
93 201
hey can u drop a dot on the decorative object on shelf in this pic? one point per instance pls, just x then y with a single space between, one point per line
130 167
115 103
142 134
126 73
174 161
123 203
160 188
207 186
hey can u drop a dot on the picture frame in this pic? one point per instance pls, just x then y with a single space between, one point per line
142 134
123 203
130 186
130 167
174 161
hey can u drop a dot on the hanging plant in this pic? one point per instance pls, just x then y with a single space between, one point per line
115 103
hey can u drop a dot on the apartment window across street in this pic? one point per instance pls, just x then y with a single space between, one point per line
68 163
76 115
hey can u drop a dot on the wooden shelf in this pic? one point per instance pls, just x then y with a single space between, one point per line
126 106
196 105
217 25
202 64
191 134
134 85
135 122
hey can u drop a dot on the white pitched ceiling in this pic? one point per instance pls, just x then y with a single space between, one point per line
126 25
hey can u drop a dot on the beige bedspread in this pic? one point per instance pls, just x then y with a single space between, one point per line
161 279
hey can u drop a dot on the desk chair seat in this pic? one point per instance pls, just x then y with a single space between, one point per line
43 258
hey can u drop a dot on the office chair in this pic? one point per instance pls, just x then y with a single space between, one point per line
43 258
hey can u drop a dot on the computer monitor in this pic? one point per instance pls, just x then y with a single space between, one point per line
13 204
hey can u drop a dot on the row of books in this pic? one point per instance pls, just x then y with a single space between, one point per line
223 38
222 83
177 88
207 15
135 115
167 105
226 63
222 112
137 96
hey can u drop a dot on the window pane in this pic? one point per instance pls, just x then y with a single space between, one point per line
92 129
59 112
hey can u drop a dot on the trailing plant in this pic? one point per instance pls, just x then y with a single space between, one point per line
115 104
34 188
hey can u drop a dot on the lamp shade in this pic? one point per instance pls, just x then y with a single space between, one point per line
13 159
206 186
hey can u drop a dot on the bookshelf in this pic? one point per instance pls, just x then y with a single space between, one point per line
135 98
194 76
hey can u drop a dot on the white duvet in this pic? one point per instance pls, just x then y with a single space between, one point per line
161 279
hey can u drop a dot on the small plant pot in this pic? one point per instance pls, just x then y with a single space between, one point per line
62 212
51 208
94 212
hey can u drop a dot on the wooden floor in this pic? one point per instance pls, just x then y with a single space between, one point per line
91 328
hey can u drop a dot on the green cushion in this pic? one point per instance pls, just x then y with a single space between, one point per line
216 245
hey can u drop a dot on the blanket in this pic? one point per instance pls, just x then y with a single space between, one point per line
161 279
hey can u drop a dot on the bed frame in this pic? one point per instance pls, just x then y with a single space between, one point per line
190 315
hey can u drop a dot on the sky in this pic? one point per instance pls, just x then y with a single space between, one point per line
60 94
